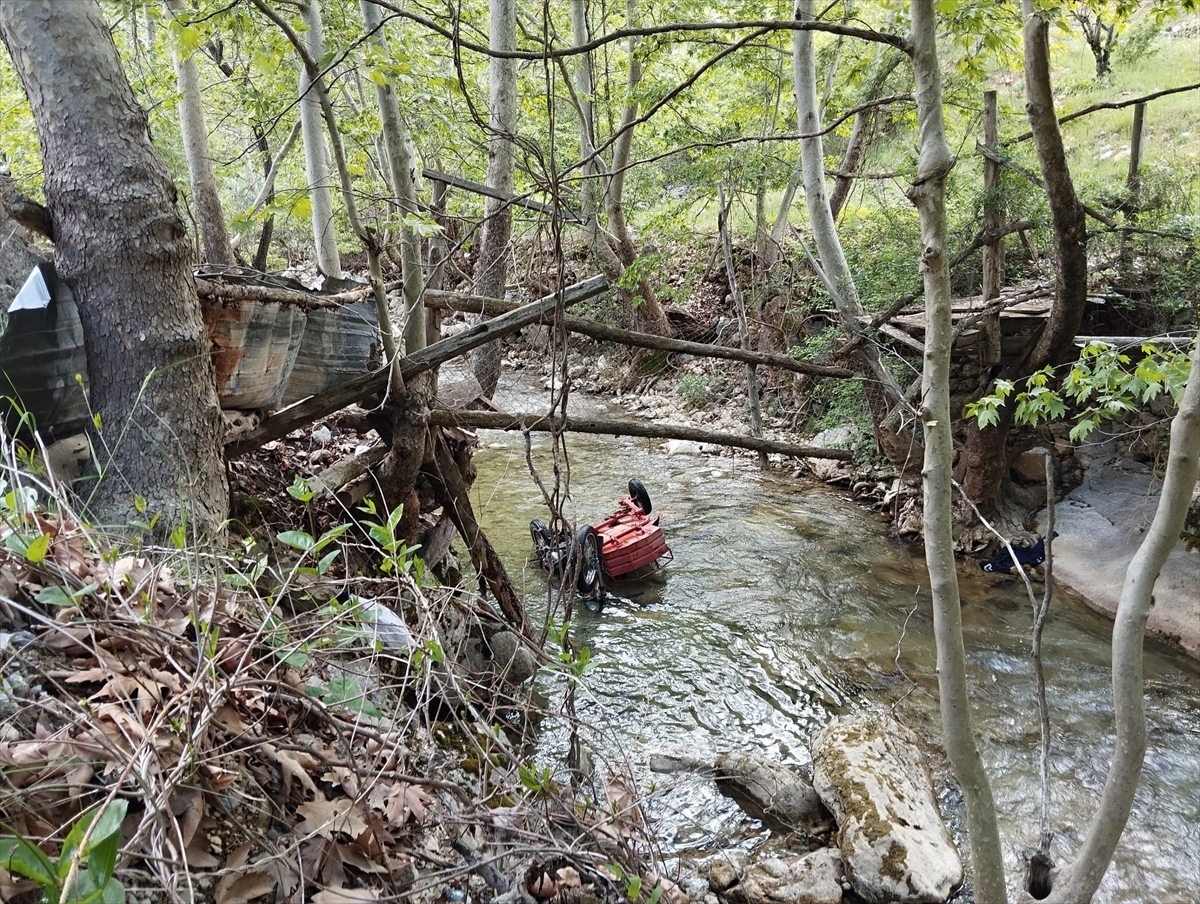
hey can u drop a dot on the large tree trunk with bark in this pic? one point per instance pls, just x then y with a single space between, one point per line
210 215
122 248
492 266
986 453
928 193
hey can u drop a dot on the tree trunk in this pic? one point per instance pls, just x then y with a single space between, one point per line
492 266
886 61
210 216
649 313
316 154
928 193
122 248
883 392
987 458
395 141
1080 879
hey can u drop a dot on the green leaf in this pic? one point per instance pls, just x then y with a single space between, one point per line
297 539
325 562
102 858
26 859
301 208
54 596
36 551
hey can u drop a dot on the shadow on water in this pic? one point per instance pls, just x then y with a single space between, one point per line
786 605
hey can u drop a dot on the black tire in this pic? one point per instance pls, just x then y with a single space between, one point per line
637 492
542 541
590 571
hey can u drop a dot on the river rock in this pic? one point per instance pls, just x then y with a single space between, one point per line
1030 466
774 791
682 447
827 469
814 878
869 771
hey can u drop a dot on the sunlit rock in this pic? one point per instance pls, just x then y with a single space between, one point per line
813 878
870 772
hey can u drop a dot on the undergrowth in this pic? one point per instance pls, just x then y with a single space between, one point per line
207 725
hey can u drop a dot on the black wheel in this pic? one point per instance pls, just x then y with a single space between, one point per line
637 492
588 580
542 541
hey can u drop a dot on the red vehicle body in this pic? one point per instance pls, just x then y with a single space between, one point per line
630 540
626 543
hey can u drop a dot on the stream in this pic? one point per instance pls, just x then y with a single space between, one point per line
787 604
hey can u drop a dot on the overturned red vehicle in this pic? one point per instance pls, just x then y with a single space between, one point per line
628 543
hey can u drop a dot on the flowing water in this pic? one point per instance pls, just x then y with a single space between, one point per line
788 604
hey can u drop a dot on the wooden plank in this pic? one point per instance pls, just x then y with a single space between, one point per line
501 420
308 410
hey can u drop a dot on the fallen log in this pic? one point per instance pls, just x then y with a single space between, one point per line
502 420
305 412
347 469
493 306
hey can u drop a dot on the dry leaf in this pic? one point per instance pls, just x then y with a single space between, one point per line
241 888
325 817
296 764
198 854
188 809
345 896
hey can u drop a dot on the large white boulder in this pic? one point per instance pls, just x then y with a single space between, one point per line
869 771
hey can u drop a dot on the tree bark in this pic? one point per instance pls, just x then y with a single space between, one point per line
649 313
316 154
123 249
886 61
210 215
540 423
492 266
1080 879
986 451
928 193
395 140
883 392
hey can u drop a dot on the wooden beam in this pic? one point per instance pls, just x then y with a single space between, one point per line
501 420
308 410
493 306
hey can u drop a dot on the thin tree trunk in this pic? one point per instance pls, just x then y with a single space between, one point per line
210 216
649 313
585 90
928 193
395 141
883 392
1080 879
886 60
122 248
993 220
739 303
491 268
316 155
